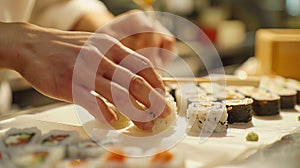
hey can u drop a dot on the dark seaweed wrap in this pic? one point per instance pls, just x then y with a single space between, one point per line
266 107
239 110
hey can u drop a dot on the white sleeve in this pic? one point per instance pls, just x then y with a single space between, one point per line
62 14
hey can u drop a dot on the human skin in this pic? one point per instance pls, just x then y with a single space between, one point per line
46 58
135 30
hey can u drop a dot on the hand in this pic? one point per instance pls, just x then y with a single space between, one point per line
47 59
144 35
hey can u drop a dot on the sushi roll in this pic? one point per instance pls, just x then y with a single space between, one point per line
117 158
4 161
184 92
161 124
248 91
211 88
288 97
239 110
36 156
59 138
78 163
228 95
272 79
171 89
265 104
221 92
84 149
295 85
19 137
202 98
122 120
207 117
165 160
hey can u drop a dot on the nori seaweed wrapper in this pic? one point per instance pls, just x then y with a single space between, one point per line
239 110
266 107
265 103
288 101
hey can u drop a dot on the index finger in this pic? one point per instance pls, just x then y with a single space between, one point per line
136 63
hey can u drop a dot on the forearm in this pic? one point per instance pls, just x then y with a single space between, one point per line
11 38
92 21
6 44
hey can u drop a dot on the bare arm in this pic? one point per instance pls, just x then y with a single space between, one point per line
135 30
46 58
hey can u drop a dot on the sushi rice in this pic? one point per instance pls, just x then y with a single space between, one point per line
207 117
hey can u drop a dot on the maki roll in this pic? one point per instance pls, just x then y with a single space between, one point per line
4 160
122 120
265 104
117 158
207 98
239 110
221 92
161 124
84 149
59 137
19 137
228 95
248 91
207 117
78 163
184 93
211 88
165 160
295 85
171 89
36 156
288 97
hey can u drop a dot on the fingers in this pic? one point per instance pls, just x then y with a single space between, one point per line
127 106
123 88
124 75
167 50
94 105
143 67
131 60
123 93
143 125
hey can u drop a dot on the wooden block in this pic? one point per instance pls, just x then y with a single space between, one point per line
278 52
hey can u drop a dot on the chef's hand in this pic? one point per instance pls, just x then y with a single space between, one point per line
47 57
144 35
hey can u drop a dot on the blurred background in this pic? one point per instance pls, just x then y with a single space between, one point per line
229 24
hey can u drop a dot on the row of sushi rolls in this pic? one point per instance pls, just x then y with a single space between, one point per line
208 107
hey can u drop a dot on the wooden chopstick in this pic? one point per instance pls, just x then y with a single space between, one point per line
251 81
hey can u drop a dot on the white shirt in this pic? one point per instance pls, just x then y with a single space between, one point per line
60 14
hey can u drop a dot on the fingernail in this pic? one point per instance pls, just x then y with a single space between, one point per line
138 83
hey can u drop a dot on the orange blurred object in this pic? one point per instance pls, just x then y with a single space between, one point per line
162 157
116 155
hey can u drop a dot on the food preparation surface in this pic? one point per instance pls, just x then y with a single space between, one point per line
218 149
